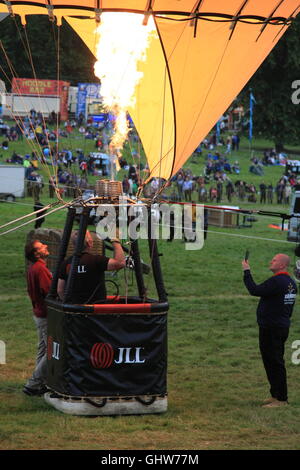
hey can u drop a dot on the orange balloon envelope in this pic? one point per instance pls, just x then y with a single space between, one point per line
204 53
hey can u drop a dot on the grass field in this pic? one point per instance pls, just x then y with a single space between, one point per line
216 381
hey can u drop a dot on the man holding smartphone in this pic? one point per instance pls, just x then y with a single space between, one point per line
277 298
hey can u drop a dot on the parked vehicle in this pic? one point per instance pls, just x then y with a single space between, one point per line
294 222
12 182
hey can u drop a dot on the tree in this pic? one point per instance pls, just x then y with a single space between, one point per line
276 116
39 50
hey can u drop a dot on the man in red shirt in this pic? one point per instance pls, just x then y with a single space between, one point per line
38 285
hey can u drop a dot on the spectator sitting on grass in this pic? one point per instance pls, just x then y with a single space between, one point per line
256 169
5 145
227 166
236 167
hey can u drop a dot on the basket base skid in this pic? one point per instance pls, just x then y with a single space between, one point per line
110 408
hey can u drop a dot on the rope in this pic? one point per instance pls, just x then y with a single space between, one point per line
230 234
29 55
223 18
28 215
33 220
34 148
56 186
44 122
261 213
249 237
126 279
162 157
58 77
162 125
37 150
206 97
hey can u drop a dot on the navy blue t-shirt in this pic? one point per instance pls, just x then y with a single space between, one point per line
277 298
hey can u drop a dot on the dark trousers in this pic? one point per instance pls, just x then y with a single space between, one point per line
271 344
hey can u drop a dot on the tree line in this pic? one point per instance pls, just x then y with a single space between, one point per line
38 50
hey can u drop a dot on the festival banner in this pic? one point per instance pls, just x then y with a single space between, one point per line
86 91
37 87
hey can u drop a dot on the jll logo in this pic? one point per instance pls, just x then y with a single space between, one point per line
53 349
102 356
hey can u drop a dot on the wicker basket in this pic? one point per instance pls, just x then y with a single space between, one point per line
110 189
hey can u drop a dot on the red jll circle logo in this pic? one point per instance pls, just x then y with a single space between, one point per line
102 355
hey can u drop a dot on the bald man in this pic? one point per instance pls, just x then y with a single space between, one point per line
277 298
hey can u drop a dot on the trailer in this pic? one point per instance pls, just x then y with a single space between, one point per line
12 182
21 105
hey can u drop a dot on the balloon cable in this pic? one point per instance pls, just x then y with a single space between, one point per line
39 152
249 237
36 218
58 78
29 215
39 95
21 127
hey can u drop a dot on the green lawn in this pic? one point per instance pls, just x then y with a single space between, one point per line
216 381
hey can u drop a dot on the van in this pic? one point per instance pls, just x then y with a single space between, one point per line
294 222
12 182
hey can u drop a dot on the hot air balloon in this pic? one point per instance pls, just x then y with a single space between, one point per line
199 56
202 55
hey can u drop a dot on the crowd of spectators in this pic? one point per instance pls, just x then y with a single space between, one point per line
73 167
220 180
188 187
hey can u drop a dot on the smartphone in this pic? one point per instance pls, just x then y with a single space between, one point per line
246 255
